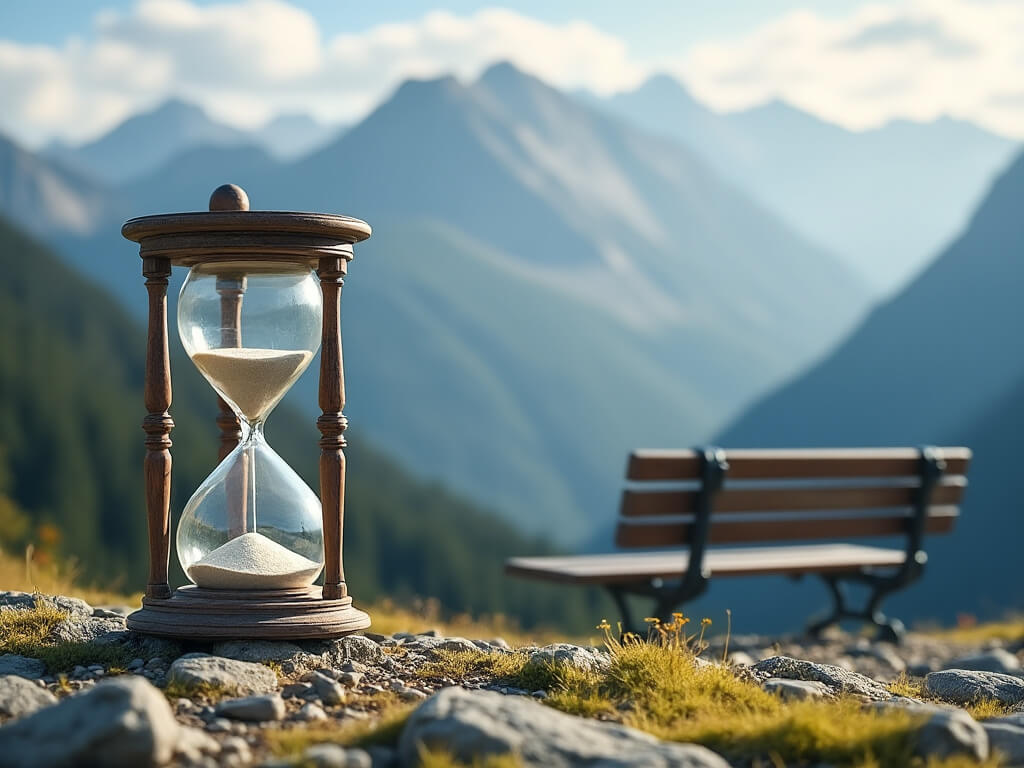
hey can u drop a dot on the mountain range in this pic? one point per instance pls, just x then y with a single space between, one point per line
939 364
145 142
547 287
886 199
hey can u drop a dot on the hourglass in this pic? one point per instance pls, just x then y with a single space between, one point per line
261 296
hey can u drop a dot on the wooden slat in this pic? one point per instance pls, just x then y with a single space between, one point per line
725 531
621 568
786 463
659 503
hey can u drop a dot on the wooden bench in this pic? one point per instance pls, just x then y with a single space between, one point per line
688 500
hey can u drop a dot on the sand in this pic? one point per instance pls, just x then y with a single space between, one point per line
252 561
254 379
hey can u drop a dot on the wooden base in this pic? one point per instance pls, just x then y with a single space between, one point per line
194 613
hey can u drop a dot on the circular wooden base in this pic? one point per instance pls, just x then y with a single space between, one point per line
194 613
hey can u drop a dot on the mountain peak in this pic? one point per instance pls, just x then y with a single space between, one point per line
664 84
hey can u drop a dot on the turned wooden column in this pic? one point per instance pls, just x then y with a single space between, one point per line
157 425
332 424
229 197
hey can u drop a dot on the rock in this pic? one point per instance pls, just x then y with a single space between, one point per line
72 606
995 660
738 658
962 686
329 690
193 745
571 655
357 648
796 690
950 733
195 670
255 709
295 690
838 679
501 643
336 756
472 725
22 666
310 713
90 630
411 694
351 679
259 651
456 644
120 722
20 697
1006 738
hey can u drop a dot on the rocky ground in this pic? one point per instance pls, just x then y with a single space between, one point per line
147 701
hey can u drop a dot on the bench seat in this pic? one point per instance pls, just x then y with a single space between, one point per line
629 567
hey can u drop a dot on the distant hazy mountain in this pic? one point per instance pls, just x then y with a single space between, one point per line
885 199
547 287
145 142
48 199
292 135
940 363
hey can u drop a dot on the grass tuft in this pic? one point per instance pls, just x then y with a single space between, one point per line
383 729
430 758
29 632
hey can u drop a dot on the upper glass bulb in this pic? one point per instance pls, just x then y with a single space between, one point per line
251 329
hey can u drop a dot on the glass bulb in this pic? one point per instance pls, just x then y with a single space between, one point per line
251 328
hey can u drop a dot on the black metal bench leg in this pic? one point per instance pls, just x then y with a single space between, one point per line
619 596
839 609
889 630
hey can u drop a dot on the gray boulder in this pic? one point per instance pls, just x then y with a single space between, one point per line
121 722
20 697
796 690
254 709
196 670
72 606
330 691
962 686
336 756
995 660
456 644
22 666
334 653
258 650
90 630
839 680
571 655
950 733
1007 738
472 725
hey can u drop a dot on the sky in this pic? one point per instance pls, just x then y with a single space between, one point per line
73 69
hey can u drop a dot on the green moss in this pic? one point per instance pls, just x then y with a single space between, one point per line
29 632
381 730
206 691
440 759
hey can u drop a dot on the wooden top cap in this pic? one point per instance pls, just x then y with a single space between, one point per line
231 232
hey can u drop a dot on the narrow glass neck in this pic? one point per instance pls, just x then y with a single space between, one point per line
252 433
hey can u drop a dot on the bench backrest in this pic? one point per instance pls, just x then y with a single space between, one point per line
789 495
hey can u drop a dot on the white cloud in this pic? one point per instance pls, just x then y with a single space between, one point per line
247 60
917 60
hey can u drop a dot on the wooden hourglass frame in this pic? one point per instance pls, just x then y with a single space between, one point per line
231 232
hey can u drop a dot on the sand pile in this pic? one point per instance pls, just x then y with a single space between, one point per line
252 561
254 379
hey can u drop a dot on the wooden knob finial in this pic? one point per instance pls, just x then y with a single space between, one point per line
229 197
